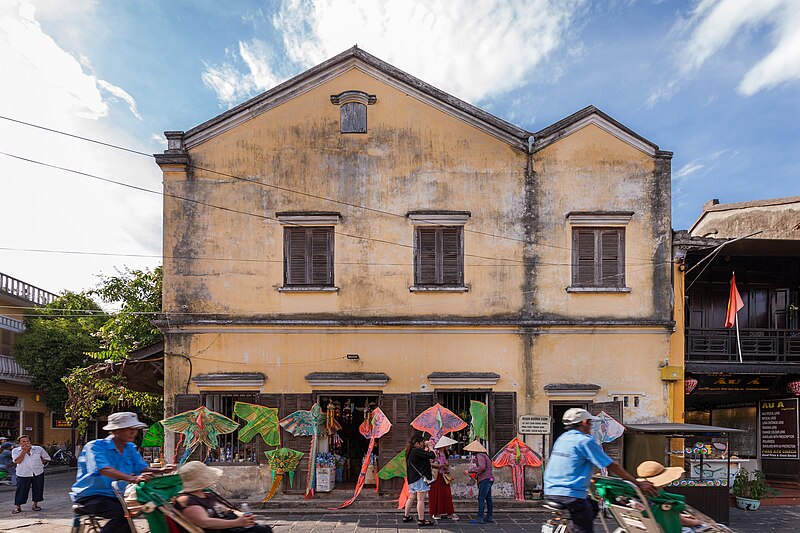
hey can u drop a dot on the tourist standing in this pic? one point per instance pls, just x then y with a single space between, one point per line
482 469
419 477
30 461
441 497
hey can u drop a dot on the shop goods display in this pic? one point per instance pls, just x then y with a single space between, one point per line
261 420
517 455
307 423
199 426
281 461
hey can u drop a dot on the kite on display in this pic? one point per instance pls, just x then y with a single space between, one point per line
438 421
304 424
281 461
479 425
261 420
199 426
396 467
606 429
375 426
517 455
153 436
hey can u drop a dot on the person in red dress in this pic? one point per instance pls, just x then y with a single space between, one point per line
441 498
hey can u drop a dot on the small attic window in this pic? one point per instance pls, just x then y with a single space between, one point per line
353 110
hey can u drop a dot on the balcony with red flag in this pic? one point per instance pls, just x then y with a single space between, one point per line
735 303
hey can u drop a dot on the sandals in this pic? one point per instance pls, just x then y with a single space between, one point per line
16 511
407 518
37 508
423 523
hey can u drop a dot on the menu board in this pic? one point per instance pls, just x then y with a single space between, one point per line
779 429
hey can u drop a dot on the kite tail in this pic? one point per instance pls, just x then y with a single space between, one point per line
274 488
178 445
362 477
401 501
312 469
519 482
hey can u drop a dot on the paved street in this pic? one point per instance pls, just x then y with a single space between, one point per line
55 516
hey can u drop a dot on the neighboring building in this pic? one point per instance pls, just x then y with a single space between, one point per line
530 271
760 242
22 409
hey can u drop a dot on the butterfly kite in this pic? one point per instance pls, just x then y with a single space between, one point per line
438 421
517 455
374 427
281 461
260 420
307 423
199 426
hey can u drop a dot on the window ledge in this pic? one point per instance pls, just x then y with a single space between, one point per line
436 288
598 289
308 288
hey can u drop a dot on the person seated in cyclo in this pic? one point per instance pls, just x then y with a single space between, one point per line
569 471
113 458
668 509
205 509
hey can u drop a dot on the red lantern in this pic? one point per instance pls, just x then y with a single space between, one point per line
689 385
794 387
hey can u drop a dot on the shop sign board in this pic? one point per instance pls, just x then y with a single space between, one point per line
779 429
534 425
724 382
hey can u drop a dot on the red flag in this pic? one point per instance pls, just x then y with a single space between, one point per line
734 304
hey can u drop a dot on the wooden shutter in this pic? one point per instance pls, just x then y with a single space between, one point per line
321 253
294 253
503 419
353 118
419 402
183 403
612 265
426 256
583 257
614 410
289 404
452 265
397 408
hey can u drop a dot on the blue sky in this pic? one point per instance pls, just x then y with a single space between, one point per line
715 81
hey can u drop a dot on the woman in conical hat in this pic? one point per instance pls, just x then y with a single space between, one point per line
481 470
440 497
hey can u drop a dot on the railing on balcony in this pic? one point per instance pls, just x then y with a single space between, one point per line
17 326
25 291
758 345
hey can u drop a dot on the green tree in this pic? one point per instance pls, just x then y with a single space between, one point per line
58 338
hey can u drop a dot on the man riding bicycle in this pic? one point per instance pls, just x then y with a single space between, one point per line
105 460
569 472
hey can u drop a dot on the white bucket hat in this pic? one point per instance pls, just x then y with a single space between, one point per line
197 475
122 421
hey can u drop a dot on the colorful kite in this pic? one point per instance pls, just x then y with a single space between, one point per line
517 455
479 425
153 436
260 420
396 467
606 429
307 423
438 421
199 426
374 427
281 461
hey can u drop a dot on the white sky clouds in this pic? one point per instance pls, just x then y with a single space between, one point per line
485 50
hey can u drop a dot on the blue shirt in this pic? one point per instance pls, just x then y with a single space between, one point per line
569 471
103 453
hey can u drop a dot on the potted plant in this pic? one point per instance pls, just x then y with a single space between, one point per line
749 490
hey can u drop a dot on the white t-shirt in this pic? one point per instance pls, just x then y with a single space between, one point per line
32 464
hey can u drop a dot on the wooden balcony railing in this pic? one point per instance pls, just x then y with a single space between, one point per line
758 345
25 291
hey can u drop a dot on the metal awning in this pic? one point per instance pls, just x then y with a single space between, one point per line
675 429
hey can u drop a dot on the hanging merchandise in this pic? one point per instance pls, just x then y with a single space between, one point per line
153 436
281 461
307 423
349 407
606 429
199 426
260 420
517 455
479 425
438 421
374 427
396 467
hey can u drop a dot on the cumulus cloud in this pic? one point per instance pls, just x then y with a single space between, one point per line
714 24
490 48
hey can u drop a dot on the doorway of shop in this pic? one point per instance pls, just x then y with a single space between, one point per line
346 413
557 410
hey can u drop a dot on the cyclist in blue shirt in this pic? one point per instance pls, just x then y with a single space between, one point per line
569 472
105 460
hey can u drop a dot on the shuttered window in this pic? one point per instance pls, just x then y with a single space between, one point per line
439 256
308 256
598 257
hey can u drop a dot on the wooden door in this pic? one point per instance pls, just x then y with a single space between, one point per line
397 407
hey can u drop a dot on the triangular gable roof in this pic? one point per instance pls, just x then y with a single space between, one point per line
357 58
591 115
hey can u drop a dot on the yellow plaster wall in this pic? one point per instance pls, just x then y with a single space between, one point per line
591 170
677 351
414 157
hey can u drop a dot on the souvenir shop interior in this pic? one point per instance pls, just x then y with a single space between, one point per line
344 447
